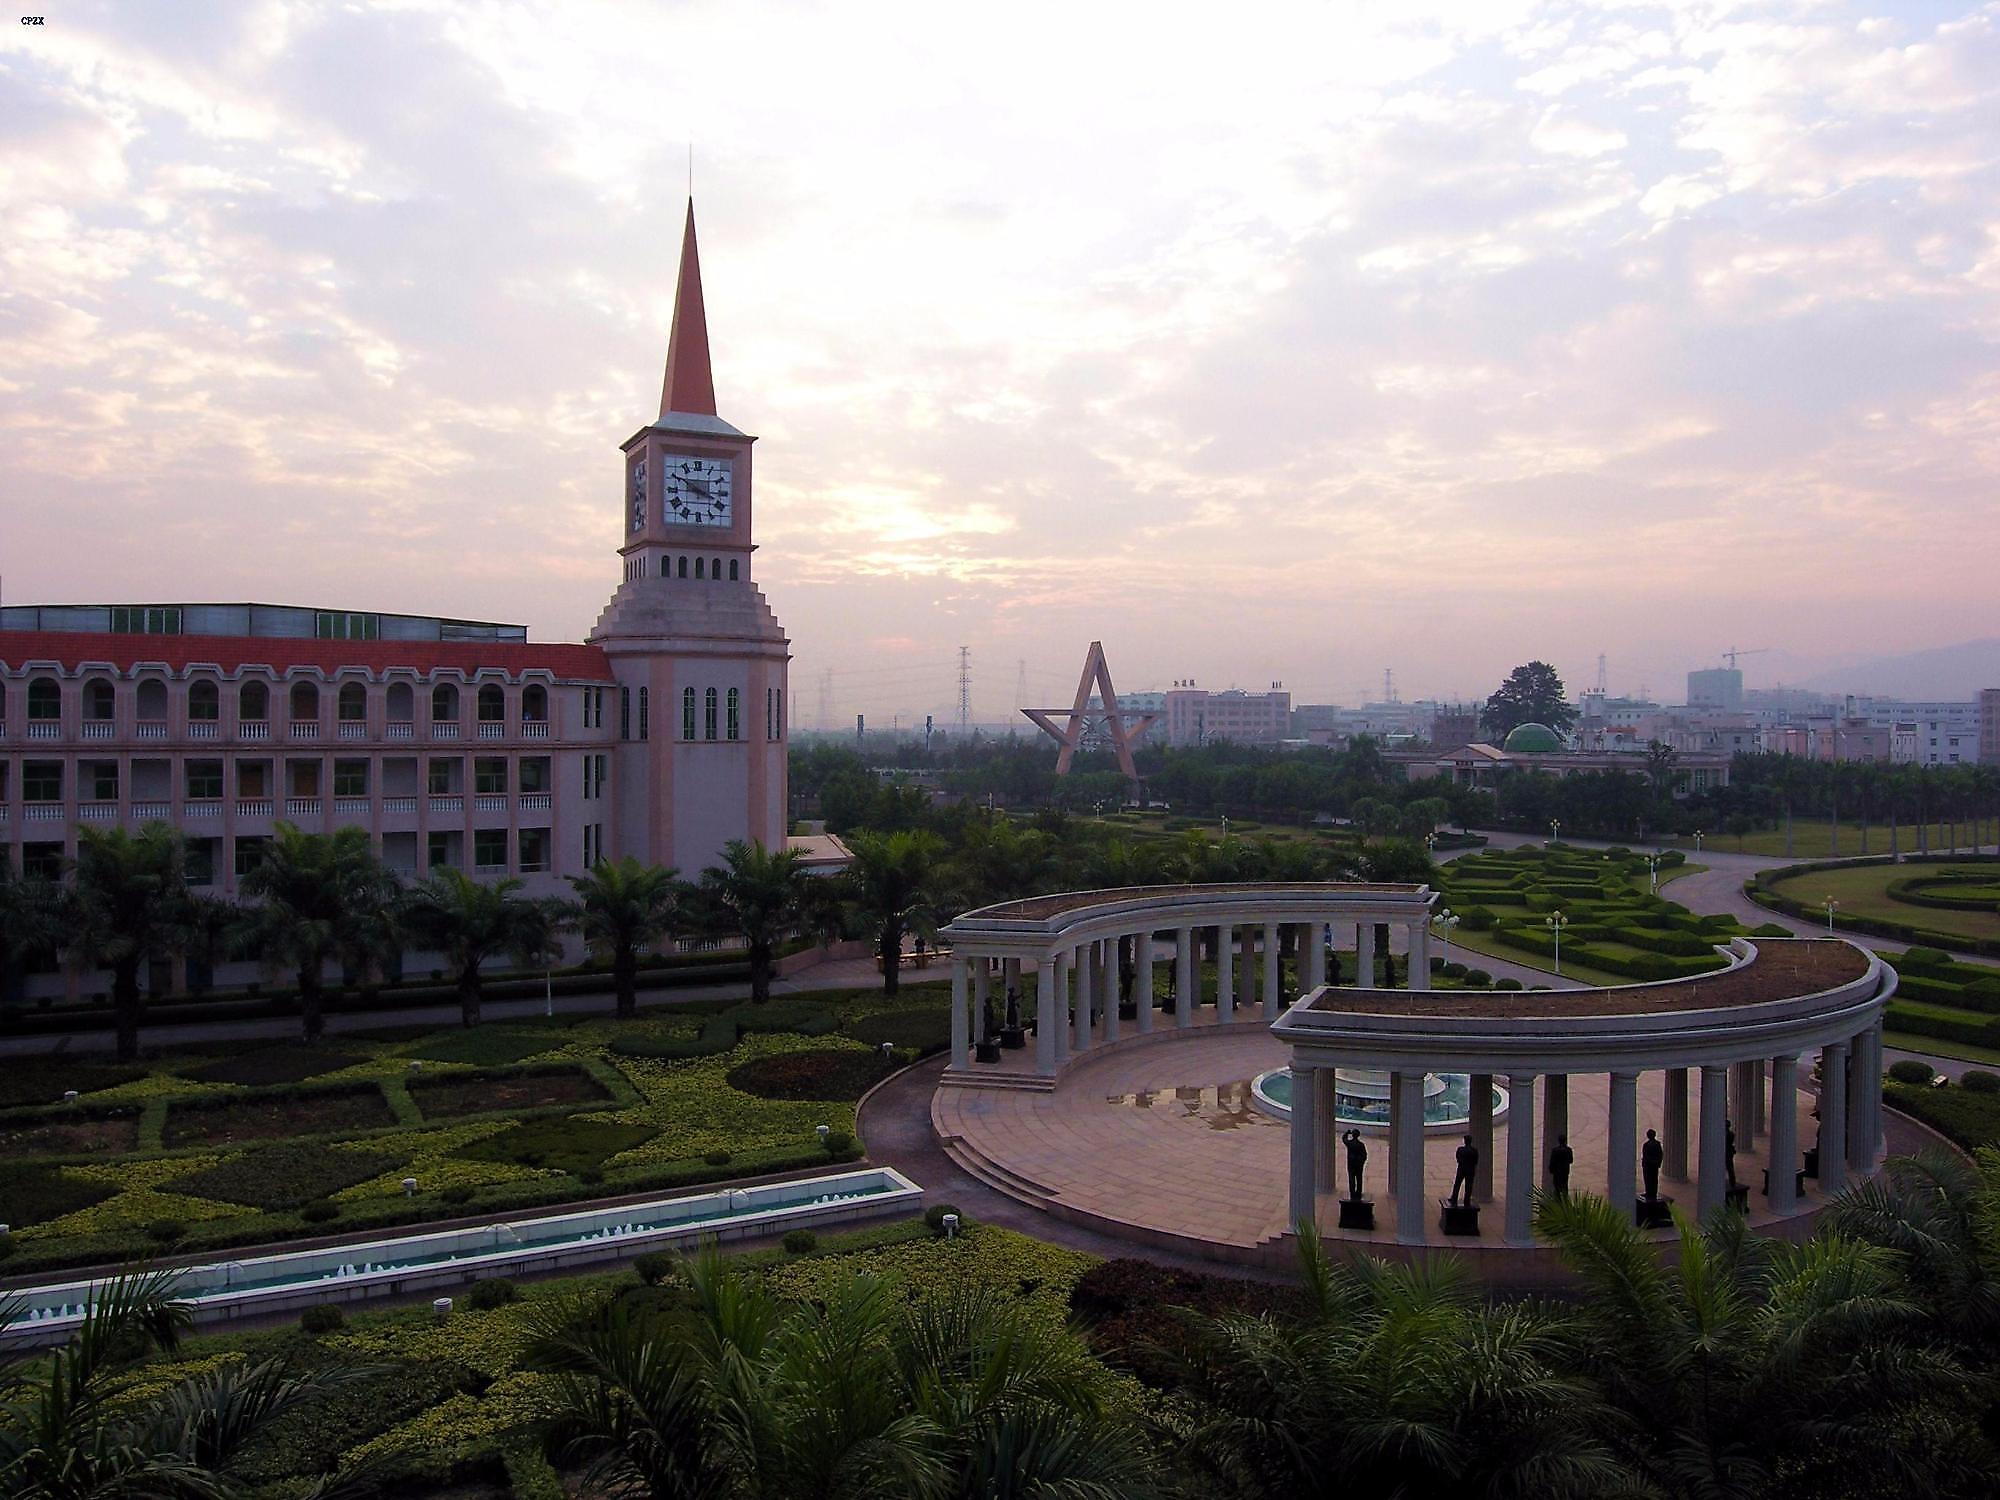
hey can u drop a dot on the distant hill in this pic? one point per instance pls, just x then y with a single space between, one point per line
1943 672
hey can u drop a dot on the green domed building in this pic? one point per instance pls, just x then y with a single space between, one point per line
1533 739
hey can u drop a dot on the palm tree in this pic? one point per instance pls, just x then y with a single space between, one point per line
471 923
127 907
763 892
30 929
68 1430
311 899
622 907
1000 860
862 1392
893 886
1940 1217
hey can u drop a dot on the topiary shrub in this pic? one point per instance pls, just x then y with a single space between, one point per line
800 1241
839 1142
654 1267
717 1158
320 1212
1506 984
1478 919
1923 958
495 1291
1478 976
1979 1081
322 1317
1910 1071
458 1193
935 1216
165 1231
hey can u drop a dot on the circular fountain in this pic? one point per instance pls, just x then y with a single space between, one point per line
1361 1098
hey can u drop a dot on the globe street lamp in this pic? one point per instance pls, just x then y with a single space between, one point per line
1555 827
1697 841
1832 906
1556 922
1653 869
1444 921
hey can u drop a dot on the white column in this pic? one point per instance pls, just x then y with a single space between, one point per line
1327 1110
1063 964
1876 1143
1273 987
1184 969
982 976
1406 1106
1833 1117
1086 972
1743 1104
1246 969
1784 1196
1046 1023
1142 983
1305 1134
1674 1126
1555 1119
1114 1025
1622 1142
1225 976
1312 954
1860 1147
1482 1135
1364 954
1393 1138
1420 954
1712 1175
1758 1078
1520 1158
961 1051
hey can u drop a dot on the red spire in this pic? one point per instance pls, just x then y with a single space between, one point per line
690 384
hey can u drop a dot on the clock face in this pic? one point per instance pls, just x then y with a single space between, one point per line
694 491
639 494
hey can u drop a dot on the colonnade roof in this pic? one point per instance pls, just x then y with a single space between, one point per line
1041 908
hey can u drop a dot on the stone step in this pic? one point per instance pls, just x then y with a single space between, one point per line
975 1078
995 1176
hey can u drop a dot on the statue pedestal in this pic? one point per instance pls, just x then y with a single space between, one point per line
1013 1038
1738 1197
1458 1218
1653 1213
987 1052
1800 1180
1357 1213
1812 1163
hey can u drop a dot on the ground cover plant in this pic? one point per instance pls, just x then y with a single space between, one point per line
502 1119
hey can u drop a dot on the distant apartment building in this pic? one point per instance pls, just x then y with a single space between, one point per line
1196 716
1939 733
1391 723
1989 725
1716 688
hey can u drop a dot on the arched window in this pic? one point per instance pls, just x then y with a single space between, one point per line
100 699
44 699
735 714
153 700
253 703
715 568
708 720
684 567
305 703
204 702
534 704
687 713
353 703
492 704
645 713
444 704
663 565
402 704
732 570
700 564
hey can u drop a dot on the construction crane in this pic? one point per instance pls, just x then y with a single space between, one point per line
1732 653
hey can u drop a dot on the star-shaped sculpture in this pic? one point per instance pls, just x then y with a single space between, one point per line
1120 726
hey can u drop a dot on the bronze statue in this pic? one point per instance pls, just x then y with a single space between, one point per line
1468 1164
1560 1161
1651 1155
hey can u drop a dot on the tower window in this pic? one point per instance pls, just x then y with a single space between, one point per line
687 713
708 720
735 714
715 568
624 713
732 570
698 562
644 714
663 565
684 567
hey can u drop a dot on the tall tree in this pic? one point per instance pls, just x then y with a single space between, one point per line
312 899
894 888
127 907
30 927
623 906
1532 694
762 892
471 923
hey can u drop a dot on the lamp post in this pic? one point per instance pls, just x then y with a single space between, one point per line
1444 921
1555 828
1697 841
1653 870
1556 922
1832 906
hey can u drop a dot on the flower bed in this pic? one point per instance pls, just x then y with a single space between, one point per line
445 1095
845 1073
276 1116
285 1176
270 1065
70 1132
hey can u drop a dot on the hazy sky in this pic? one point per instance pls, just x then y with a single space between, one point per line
1258 341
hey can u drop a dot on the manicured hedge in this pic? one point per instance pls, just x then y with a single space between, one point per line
1969 1117
567 1144
724 1030
37 1194
288 1175
44 1080
845 1073
1762 889
483 1046
273 1114
444 1096
925 1029
1917 1023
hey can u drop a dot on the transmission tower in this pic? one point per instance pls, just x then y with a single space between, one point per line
965 690
1388 684
1601 690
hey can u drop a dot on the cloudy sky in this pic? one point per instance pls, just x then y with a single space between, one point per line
1259 342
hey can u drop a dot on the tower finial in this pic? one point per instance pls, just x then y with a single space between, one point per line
690 383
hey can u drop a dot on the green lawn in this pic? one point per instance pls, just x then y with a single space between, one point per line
1813 838
1864 892
1931 1046
1488 944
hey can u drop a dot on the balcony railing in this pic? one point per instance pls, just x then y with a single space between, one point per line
399 729
202 729
97 812
146 811
99 729
254 807
492 731
152 729
201 807
489 804
44 729
302 807
350 807
399 804
354 729
534 729
537 801
452 804
499 869
42 812
305 729
444 729
253 729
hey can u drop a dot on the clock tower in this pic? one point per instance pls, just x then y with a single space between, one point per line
699 657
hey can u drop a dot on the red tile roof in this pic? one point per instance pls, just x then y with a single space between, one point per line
72 649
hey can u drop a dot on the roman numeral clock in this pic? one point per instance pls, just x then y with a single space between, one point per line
694 491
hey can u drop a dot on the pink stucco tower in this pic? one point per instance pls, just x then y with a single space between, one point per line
699 658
